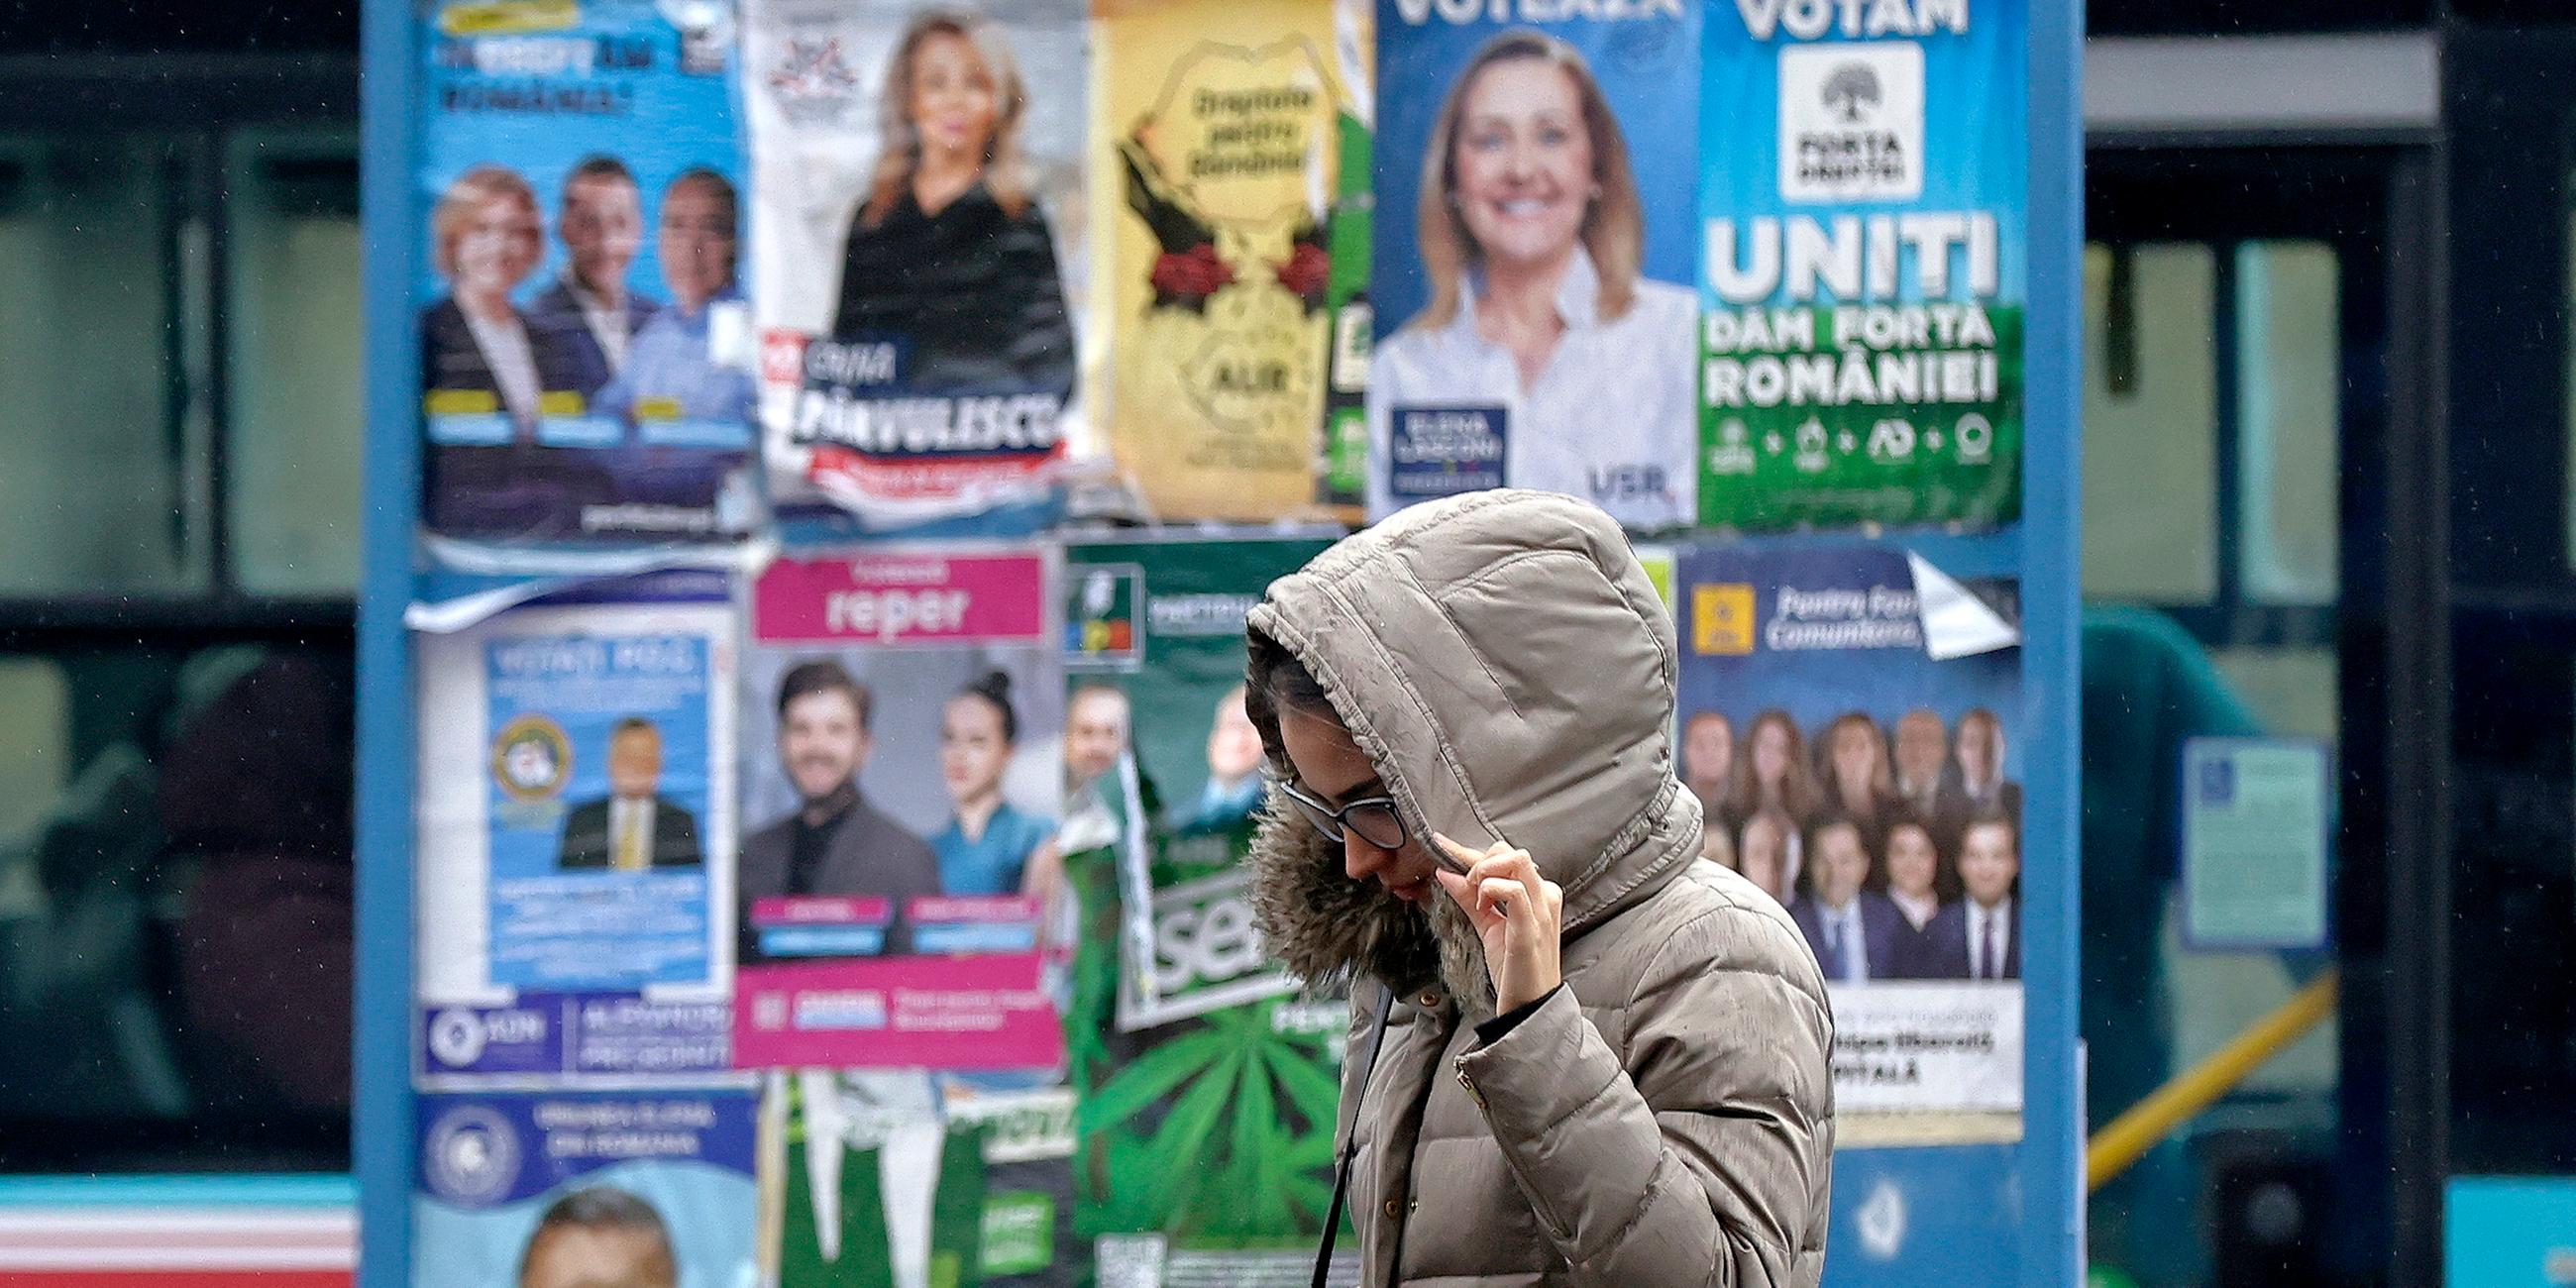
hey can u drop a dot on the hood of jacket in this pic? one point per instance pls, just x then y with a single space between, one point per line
1507 665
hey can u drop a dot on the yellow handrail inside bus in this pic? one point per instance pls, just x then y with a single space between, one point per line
2128 1137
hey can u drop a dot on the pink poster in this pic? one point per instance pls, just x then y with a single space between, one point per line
899 880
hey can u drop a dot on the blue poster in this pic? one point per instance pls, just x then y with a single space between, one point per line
1850 716
556 1190
1535 260
599 796
1867 267
586 351
570 855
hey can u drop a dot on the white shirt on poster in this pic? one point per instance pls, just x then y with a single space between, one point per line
1982 921
514 364
1612 417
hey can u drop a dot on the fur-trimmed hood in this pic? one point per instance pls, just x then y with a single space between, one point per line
1504 660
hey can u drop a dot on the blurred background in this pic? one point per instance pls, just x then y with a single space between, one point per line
2328 477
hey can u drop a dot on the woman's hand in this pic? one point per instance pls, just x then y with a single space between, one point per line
1518 913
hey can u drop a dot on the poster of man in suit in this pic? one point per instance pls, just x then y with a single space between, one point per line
635 827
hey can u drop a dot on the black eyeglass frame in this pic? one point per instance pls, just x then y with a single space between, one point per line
1334 822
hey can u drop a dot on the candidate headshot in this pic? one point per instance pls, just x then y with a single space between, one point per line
1708 761
634 828
1922 759
1979 937
989 844
1095 734
1532 239
1234 756
947 250
486 238
589 308
671 370
833 842
600 1237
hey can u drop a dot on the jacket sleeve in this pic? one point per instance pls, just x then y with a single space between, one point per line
1703 1160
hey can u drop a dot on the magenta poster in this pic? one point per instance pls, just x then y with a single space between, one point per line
899 897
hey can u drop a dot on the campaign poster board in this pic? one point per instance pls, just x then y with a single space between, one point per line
918 184
554 1189
575 832
1209 1079
900 793
1868 264
1849 714
1218 136
586 352
1537 161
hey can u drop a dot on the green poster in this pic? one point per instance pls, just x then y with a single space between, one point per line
1207 1083
1864 266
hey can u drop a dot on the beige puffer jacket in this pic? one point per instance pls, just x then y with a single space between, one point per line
1664 1119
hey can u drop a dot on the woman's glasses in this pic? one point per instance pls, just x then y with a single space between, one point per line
1374 818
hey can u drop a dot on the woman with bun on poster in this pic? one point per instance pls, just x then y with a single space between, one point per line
988 847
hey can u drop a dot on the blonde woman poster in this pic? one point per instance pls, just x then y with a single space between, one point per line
920 166
1533 261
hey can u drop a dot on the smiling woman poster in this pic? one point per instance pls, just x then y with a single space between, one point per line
1534 257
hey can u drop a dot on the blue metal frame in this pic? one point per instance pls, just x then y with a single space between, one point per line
381 1125
2053 1090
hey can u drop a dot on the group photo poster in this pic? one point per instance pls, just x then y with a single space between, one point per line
910 1181
587 355
919 195
577 1189
1208 1080
1219 133
576 826
1534 263
1849 719
899 872
1868 265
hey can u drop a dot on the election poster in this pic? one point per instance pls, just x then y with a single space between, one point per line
919 194
898 865
896 1179
576 833
1867 238
586 352
1535 253
1219 136
1208 1080
569 1189
1849 721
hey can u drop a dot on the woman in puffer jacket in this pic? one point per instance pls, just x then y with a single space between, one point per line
1603 1062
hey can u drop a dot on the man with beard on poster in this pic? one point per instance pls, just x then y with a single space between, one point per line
834 842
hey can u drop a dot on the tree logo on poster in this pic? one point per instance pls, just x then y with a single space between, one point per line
472 1156
1851 122
532 759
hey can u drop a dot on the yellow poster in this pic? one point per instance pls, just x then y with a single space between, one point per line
1216 152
